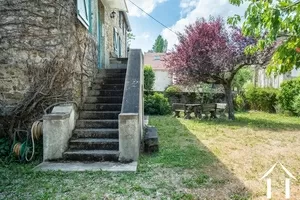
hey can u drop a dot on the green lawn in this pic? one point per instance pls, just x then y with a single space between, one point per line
216 159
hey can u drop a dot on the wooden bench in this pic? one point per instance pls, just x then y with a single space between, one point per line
221 109
177 108
209 110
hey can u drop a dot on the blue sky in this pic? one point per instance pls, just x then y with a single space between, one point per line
175 14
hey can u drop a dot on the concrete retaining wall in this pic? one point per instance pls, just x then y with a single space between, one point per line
57 130
131 120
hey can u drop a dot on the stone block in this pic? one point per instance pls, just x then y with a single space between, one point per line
57 130
151 140
129 137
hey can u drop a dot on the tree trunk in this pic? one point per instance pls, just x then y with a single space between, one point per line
229 100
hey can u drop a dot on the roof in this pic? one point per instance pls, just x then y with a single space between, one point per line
119 5
127 21
155 60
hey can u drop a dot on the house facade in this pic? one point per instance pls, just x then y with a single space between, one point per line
163 78
264 80
66 41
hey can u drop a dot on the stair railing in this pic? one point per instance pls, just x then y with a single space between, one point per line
131 121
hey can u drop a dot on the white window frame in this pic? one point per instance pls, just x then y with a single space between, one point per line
83 12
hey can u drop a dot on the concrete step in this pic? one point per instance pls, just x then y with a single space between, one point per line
105 93
92 155
109 81
112 71
118 60
94 144
102 107
96 133
118 66
111 100
108 87
99 114
97 124
111 75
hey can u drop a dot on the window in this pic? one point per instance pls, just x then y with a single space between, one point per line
156 57
83 12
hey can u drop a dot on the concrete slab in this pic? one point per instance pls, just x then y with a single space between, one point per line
81 167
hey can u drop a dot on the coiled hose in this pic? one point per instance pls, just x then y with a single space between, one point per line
22 149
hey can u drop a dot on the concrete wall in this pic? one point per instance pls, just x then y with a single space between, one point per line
131 119
57 130
162 79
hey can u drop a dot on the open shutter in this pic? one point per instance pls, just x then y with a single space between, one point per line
120 47
116 42
83 12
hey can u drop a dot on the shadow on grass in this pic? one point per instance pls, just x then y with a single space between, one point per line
208 177
259 120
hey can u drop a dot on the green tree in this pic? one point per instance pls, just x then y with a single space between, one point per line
149 78
270 20
160 45
243 76
130 37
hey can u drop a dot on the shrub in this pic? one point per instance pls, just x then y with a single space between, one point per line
173 90
157 104
296 105
288 92
4 147
149 78
240 103
263 99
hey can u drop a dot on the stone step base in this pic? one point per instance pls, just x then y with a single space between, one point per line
96 133
91 155
114 124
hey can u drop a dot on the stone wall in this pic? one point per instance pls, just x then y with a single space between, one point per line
43 44
110 24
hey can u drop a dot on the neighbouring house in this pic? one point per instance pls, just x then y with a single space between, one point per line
73 54
264 80
163 78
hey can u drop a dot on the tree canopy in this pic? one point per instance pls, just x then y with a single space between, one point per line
160 45
130 37
209 52
149 78
269 20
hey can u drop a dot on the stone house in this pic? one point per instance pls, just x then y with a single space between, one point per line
79 36
63 55
163 78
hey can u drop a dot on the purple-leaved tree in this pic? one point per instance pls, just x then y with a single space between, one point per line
211 53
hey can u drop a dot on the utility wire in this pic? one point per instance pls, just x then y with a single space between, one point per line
153 18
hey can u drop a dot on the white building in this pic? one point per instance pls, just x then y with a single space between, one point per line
162 77
263 80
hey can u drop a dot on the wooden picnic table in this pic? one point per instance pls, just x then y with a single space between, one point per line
192 108
209 110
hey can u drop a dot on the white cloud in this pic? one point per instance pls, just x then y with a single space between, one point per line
146 5
142 41
200 8
187 6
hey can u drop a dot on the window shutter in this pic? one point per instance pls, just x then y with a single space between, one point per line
116 41
120 47
83 12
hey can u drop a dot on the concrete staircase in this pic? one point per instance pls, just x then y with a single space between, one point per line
96 136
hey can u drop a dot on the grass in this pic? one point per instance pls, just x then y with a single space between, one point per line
216 159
